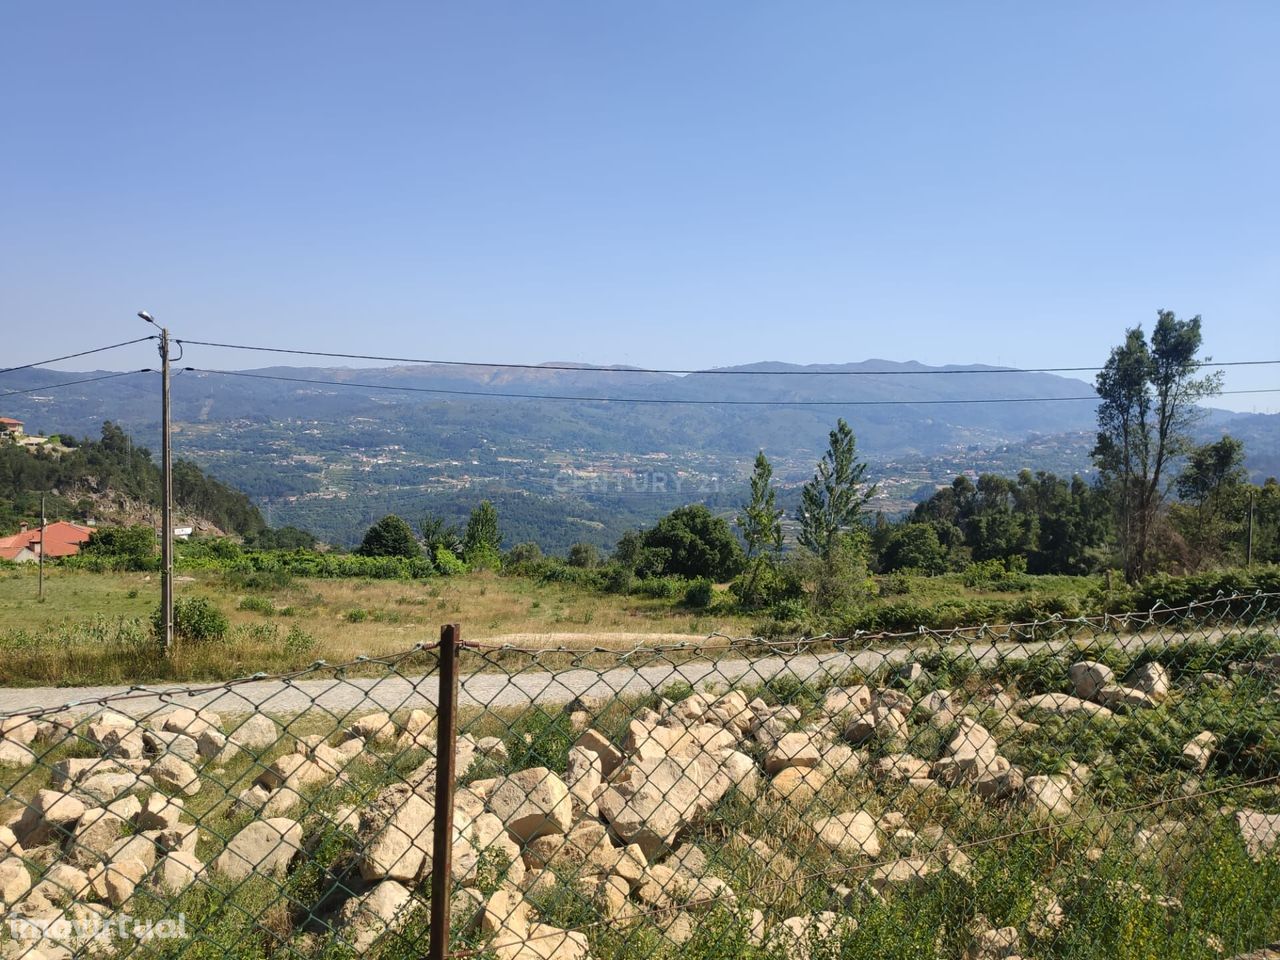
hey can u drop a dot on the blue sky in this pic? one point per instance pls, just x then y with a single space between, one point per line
648 183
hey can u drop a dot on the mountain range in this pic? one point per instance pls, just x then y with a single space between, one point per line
332 448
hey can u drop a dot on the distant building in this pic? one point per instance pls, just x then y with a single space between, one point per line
61 539
11 426
183 533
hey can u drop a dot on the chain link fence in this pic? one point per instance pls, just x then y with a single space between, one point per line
1072 788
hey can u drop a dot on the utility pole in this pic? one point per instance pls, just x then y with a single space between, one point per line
1248 550
42 526
166 491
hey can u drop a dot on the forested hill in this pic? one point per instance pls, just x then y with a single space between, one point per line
113 480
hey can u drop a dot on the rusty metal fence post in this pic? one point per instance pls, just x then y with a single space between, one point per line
446 745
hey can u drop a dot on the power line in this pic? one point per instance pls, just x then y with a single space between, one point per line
72 383
654 400
82 353
672 370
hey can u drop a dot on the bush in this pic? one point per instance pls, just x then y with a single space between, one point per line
261 605
447 563
195 620
699 593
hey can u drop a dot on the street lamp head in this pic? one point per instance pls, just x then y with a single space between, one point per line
146 316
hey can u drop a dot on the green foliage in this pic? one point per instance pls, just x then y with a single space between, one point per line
448 564
282 538
482 541
584 555
123 548
699 594
915 546
693 542
522 554
262 605
540 737
390 537
831 503
195 620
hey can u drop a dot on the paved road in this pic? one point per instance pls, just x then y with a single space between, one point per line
476 689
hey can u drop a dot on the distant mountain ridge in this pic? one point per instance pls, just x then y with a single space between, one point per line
330 457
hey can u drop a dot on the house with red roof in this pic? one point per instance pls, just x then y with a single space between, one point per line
60 539
11 426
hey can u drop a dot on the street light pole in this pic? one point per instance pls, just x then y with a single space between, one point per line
166 492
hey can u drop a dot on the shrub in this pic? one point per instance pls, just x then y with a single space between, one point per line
262 605
699 593
298 640
447 563
195 620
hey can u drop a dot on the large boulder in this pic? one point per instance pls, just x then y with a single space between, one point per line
610 756
532 803
1259 831
792 750
1088 677
1152 678
652 800
365 919
264 847
49 815
849 834
176 775
1198 751
1063 704
398 846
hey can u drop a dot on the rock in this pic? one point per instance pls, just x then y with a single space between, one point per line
798 786
851 699
161 742
586 850
652 800
213 745
493 748
19 730
1160 839
910 872
1152 678
1088 677
95 833
63 884
401 845
50 815
839 760
373 728
138 847
849 834
1001 944
160 812
1052 795
971 744
584 778
532 803
1062 704
609 894
796 937
908 673
15 754
1198 751
901 766
263 847
939 703
792 750
255 734
177 871
108 788
366 918
610 756
496 849
176 775
187 721
120 878
1117 697
15 881
1260 832
8 842
884 723
294 770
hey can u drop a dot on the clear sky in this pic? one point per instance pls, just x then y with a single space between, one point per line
664 183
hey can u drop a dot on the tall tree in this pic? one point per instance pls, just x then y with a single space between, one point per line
1148 396
482 537
390 537
760 521
831 503
1211 485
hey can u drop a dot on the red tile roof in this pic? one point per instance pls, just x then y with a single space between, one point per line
62 539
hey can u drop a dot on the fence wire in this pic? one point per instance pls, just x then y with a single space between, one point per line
1072 788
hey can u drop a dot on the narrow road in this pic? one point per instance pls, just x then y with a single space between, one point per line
392 692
